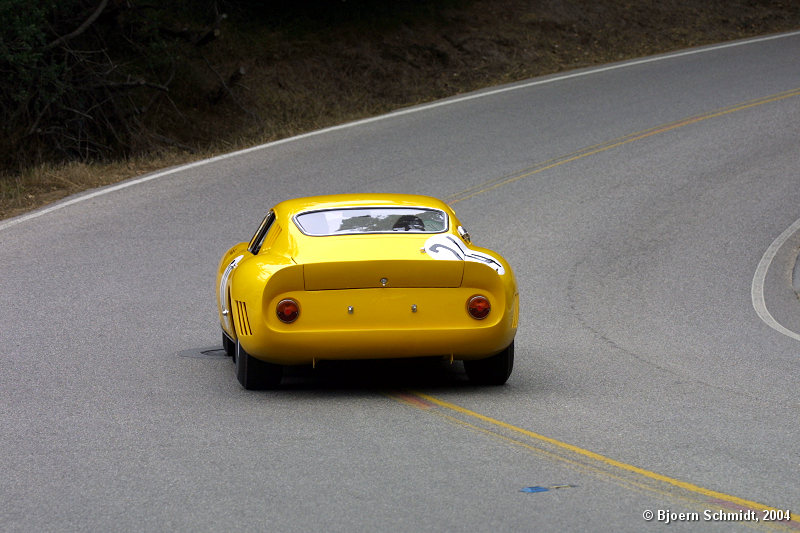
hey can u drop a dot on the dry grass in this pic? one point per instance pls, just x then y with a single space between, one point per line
314 79
44 184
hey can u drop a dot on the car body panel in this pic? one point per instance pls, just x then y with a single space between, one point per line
374 295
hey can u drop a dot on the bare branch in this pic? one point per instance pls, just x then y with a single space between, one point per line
132 84
197 38
82 28
225 89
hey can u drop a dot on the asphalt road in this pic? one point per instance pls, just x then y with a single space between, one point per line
644 207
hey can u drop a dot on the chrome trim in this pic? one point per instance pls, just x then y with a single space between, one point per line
464 234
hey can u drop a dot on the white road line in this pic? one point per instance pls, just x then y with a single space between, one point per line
408 111
757 289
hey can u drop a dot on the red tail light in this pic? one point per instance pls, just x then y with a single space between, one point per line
288 310
479 307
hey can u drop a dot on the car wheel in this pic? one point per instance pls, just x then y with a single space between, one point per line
255 374
493 370
229 346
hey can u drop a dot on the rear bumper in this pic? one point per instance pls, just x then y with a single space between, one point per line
290 349
378 324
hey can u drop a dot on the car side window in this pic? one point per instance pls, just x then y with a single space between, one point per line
261 233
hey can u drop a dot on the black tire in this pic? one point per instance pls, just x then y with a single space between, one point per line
255 374
229 346
493 370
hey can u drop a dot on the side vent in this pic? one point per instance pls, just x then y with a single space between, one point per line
242 321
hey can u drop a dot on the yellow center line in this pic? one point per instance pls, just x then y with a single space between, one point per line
713 494
596 149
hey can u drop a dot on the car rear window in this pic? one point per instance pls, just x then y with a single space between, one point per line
371 220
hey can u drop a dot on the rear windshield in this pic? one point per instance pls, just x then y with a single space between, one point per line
371 220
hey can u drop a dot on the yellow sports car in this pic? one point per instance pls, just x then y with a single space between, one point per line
365 277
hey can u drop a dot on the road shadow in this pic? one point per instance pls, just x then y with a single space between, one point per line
429 373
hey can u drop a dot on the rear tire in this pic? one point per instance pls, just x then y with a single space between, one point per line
255 374
229 346
493 370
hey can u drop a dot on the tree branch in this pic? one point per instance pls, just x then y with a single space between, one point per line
132 84
82 28
224 88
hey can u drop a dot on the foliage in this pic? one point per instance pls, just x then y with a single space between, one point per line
110 80
80 79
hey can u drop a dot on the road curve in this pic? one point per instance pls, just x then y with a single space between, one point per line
649 210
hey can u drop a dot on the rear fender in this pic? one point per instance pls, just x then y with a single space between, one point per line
501 287
253 287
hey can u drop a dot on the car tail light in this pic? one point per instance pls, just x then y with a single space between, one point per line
288 310
478 307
